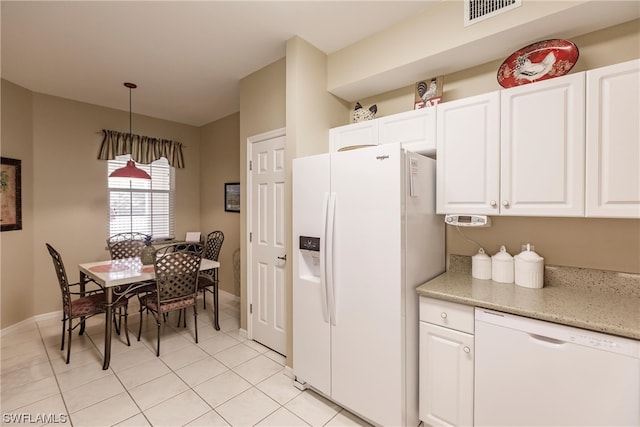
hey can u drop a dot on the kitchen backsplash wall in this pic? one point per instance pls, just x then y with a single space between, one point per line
603 244
571 277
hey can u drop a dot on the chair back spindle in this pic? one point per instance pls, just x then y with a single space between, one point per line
126 245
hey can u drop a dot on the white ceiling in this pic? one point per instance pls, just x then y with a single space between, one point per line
187 57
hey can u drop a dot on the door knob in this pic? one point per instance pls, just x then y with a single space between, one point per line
283 258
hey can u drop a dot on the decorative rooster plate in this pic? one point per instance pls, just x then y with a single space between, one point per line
538 61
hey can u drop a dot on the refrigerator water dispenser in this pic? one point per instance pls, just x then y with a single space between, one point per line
310 257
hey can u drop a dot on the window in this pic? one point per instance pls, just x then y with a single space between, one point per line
139 204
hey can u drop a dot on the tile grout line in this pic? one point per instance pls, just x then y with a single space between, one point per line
53 372
92 334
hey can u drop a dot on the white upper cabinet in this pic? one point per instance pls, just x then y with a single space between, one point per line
542 151
415 129
518 151
468 160
353 135
613 141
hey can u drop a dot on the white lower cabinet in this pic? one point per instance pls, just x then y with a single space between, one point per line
446 363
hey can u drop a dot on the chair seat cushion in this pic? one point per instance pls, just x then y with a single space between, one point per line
85 306
151 301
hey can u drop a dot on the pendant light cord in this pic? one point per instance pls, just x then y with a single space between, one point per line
130 86
130 134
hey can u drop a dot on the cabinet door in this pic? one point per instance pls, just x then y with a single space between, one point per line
542 148
416 130
446 376
468 143
353 135
613 141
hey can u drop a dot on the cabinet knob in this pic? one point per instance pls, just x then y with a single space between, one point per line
443 315
466 349
493 203
505 203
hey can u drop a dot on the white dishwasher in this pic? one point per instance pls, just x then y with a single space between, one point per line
534 373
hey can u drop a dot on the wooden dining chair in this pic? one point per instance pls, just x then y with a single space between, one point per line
87 304
208 281
177 272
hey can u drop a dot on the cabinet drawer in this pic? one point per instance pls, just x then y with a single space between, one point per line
447 314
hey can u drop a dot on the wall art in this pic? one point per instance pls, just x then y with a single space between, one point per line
10 194
232 197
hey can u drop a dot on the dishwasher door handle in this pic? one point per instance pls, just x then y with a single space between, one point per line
547 340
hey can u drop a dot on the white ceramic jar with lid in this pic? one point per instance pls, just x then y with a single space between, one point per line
529 269
502 266
481 265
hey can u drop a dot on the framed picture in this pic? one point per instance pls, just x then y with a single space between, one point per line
10 194
232 197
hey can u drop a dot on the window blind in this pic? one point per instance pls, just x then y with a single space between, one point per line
141 205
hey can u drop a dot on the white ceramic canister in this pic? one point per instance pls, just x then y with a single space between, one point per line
502 266
529 269
481 265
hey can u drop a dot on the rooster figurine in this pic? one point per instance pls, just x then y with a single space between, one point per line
360 114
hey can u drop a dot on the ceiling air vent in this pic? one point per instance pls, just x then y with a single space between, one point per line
479 10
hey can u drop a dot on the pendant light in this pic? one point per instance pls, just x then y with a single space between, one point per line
130 170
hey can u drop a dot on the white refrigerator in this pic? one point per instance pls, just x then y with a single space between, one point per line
366 235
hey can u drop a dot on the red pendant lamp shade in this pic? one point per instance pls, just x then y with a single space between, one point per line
129 171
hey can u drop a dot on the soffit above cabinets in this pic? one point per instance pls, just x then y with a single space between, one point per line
448 47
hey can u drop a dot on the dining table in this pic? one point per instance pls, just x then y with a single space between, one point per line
120 277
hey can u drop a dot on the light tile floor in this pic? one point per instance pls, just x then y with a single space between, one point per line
223 380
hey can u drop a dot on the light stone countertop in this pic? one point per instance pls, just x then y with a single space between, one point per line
612 313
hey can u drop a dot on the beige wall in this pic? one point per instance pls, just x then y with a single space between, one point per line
64 188
293 94
311 112
17 299
262 109
219 152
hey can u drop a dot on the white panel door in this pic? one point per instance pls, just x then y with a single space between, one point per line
268 255
468 161
542 148
613 141
367 335
311 325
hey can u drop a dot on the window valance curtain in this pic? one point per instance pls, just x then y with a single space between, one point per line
143 149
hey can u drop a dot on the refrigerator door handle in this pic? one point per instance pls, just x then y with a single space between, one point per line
323 261
331 214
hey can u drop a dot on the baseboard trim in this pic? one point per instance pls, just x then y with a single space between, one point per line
229 294
31 321
288 371
58 314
